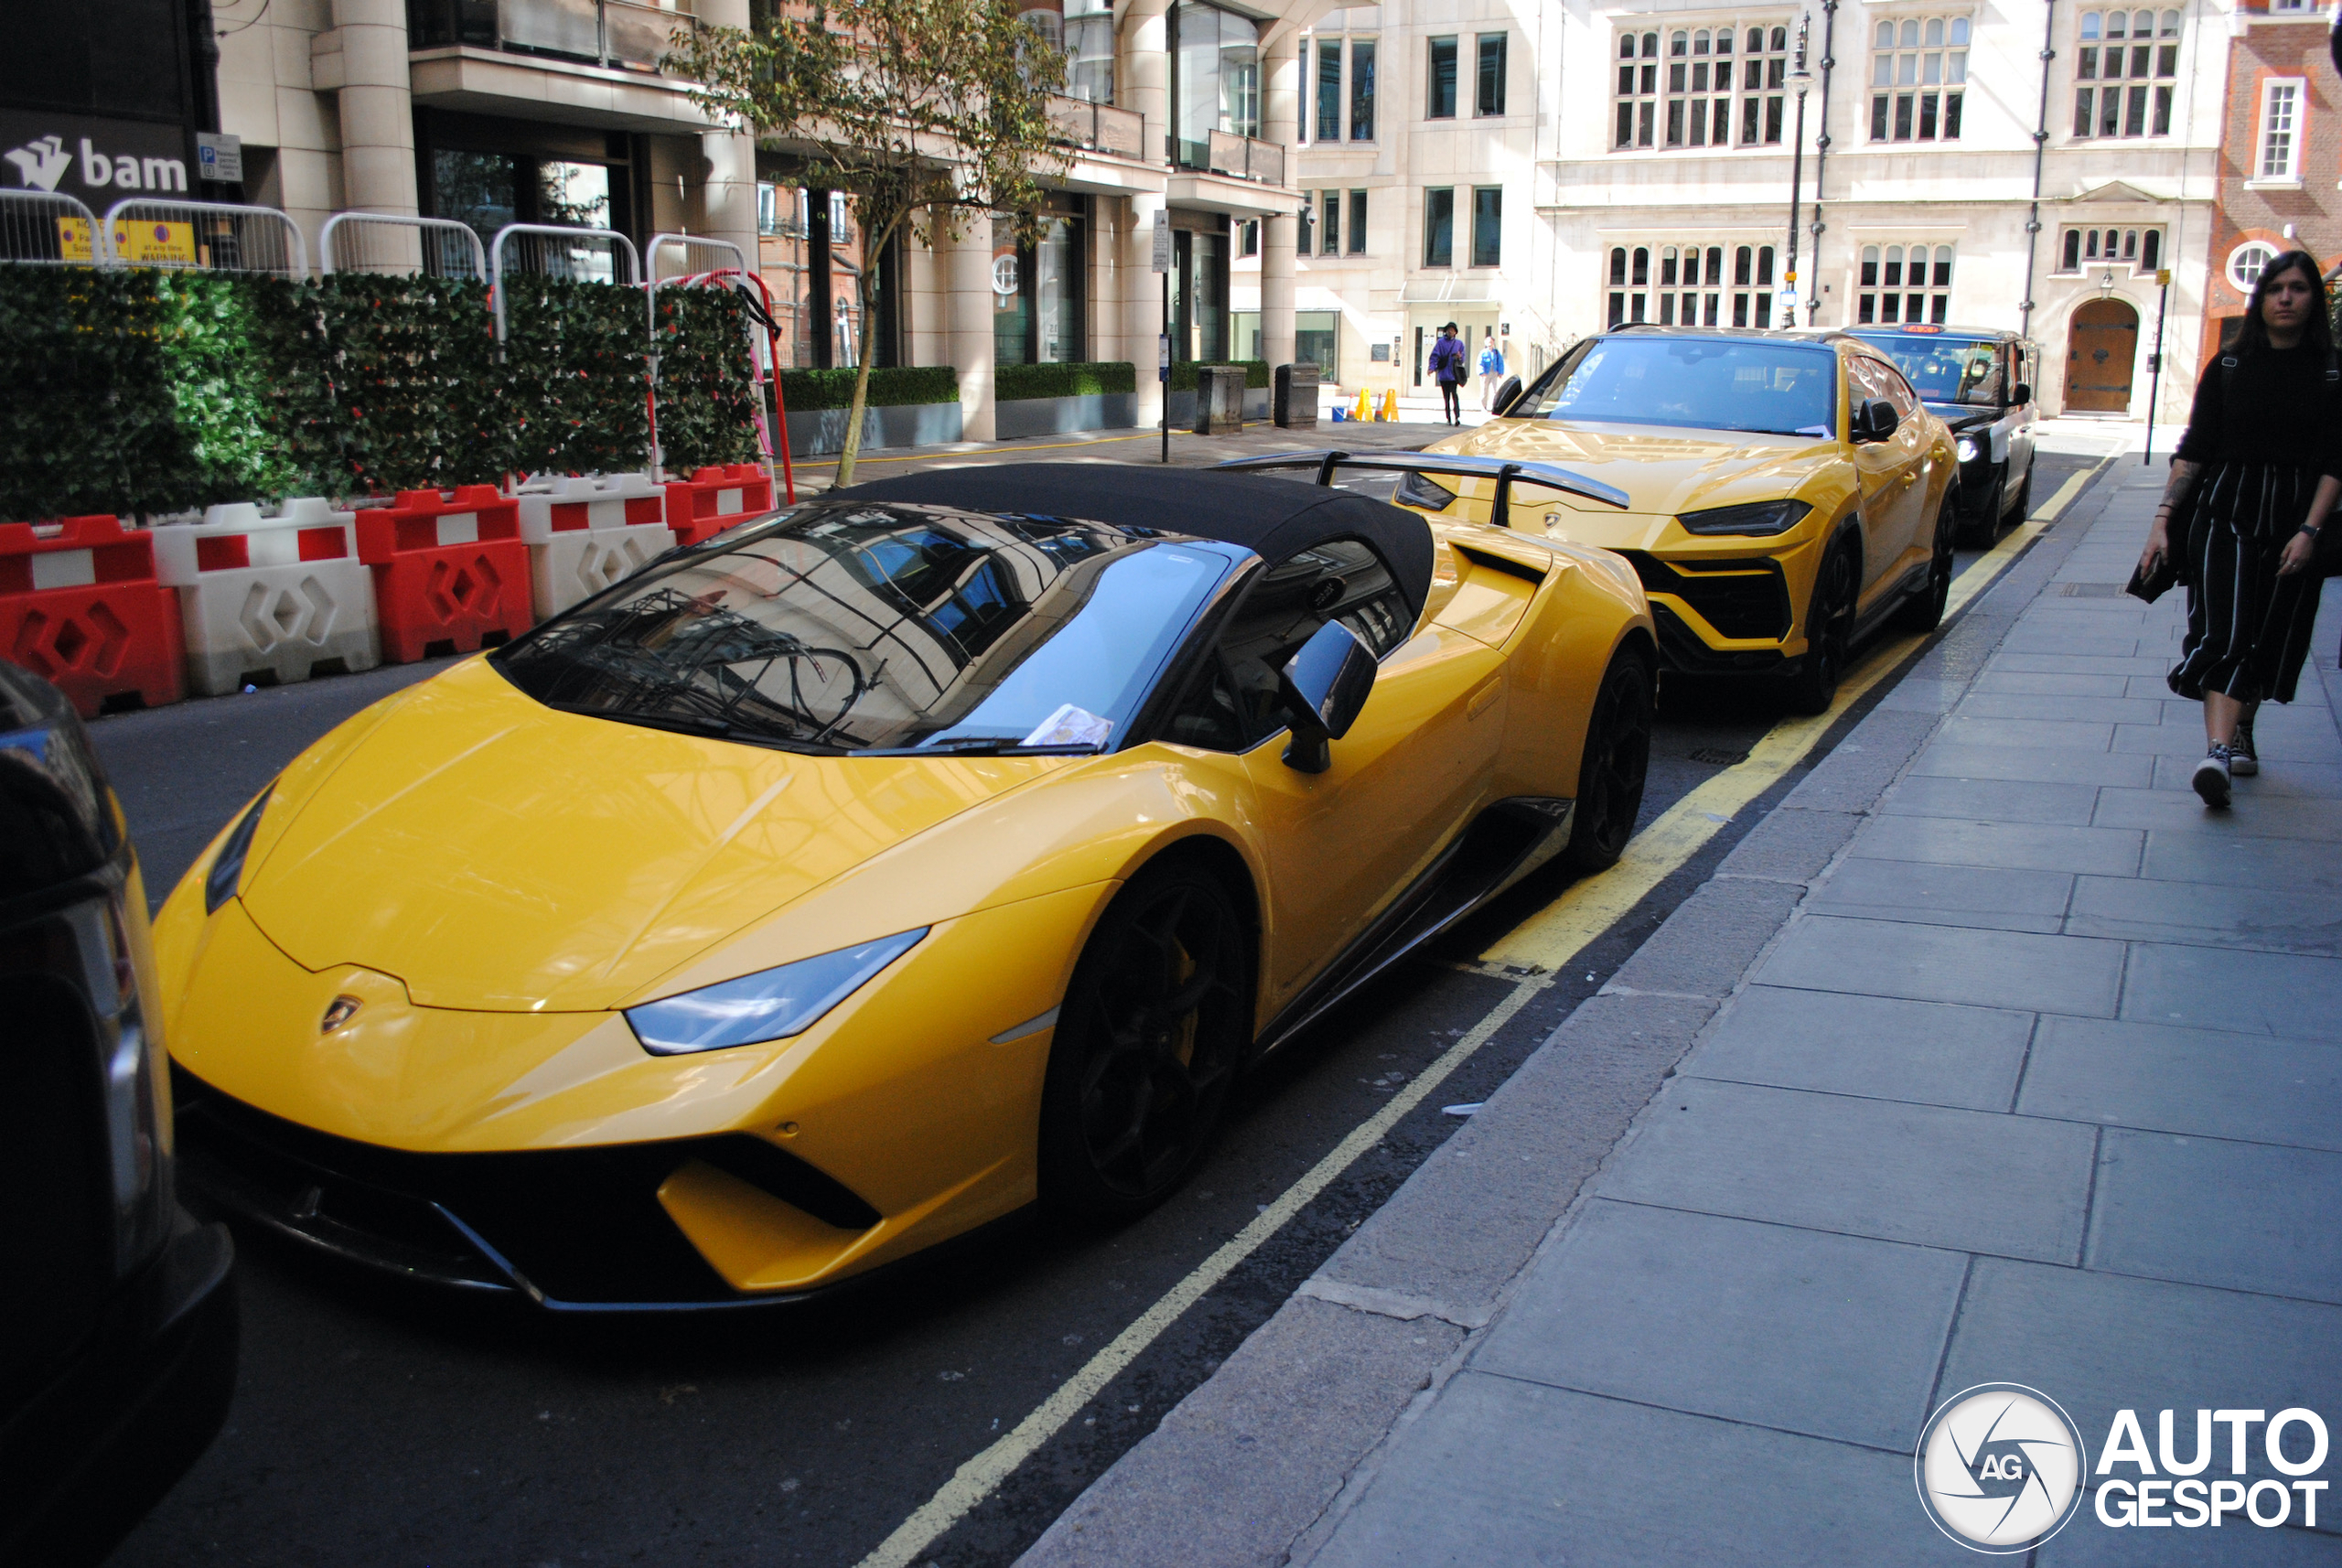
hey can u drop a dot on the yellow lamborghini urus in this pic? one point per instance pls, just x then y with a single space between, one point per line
1787 492
878 869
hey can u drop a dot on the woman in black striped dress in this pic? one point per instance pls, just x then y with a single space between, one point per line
2251 483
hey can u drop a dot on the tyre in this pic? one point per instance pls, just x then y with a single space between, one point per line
1923 612
1149 1039
1815 685
1615 766
2024 495
1980 531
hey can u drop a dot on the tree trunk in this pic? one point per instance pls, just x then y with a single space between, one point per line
874 247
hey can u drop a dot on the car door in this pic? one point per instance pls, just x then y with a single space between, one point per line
1883 472
1916 481
1410 772
2017 421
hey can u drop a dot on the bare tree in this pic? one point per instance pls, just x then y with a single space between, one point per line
930 114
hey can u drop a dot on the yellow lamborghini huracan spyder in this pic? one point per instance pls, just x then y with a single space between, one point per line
878 869
1786 492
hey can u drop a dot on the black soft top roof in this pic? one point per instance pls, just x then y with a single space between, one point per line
1273 518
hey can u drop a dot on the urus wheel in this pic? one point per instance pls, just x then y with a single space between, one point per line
1924 611
1616 763
1149 1039
1815 685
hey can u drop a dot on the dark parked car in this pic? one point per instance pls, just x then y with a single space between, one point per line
1979 380
117 1316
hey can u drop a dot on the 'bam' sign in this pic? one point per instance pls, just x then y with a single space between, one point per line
100 161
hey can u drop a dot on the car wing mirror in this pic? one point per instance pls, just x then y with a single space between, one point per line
2019 395
1873 420
1324 684
1506 392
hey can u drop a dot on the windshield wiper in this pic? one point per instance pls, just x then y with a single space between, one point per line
989 746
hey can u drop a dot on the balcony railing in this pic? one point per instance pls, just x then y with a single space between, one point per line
1098 127
615 33
1246 157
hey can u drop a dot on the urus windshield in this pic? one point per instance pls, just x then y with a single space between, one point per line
1702 384
885 627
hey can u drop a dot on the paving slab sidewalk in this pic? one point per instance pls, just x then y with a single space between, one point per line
1989 1056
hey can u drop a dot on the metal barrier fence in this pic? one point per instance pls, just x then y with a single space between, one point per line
391 242
42 227
208 236
546 249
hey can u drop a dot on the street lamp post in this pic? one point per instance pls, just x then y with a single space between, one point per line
1802 79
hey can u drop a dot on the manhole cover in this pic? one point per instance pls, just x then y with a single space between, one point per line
2091 590
1719 756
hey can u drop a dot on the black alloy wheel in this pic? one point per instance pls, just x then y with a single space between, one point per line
2024 495
1616 765
1149 1040
1980 530
1829 623
1923 612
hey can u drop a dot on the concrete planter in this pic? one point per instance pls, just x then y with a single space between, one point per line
822 430
1060 415
1183 406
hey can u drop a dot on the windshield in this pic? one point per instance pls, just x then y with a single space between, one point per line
1705 383
1945 370
849 627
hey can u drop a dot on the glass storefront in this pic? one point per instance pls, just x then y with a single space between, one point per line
1036 292
1216 79
1199 322
1317 338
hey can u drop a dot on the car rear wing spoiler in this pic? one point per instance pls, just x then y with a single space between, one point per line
1506 474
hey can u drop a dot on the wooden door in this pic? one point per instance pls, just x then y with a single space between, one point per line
2101 346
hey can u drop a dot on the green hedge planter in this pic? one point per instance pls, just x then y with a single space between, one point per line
890 387
1018 383
1183 373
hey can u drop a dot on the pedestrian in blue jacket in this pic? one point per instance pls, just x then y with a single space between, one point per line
1447 370
1491 369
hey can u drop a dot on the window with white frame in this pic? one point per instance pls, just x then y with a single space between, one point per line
1903 283
2246 262
1692 283
1325 51
2279 156
2139 249
2126 66
1919 71
1713 87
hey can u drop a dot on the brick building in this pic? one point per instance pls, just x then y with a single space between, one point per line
2280 154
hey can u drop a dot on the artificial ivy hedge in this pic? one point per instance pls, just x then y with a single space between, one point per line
141 391
1183 373
891 386
1015 383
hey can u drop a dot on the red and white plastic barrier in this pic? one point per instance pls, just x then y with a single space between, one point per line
714 500
585 534
451 575
79 607
283 596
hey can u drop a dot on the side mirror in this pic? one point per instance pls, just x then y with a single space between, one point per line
2019 395
1325 686
1873 419
1506 391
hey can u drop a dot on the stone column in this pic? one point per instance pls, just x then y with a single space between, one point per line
1280 124
967 278
1142 84
731 156
1143 301
377 108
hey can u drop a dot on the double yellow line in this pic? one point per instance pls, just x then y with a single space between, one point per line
1557 933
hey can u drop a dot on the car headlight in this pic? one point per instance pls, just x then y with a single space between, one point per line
1966 448
1757 518
227 872
770 1005
1414 489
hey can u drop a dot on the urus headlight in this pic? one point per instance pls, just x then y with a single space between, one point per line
770 1005
1414 489
1757 518
227 872
1966 448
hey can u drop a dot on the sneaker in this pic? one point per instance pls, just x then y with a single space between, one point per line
2243 760
2211 779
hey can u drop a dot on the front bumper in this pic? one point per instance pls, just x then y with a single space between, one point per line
86 1457
582 1229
